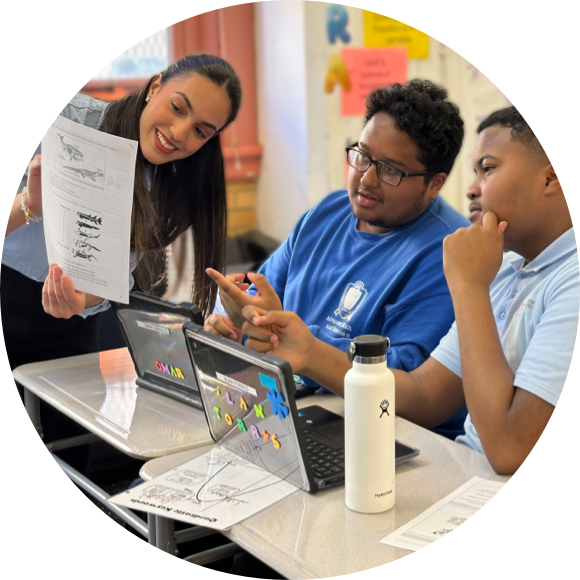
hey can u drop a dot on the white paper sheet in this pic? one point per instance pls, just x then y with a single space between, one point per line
87 196
445 515
216 490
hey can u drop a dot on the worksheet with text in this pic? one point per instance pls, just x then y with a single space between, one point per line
87 198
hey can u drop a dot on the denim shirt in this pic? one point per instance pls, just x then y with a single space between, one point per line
24 248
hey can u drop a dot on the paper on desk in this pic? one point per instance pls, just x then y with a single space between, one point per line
87 196
445 515
215 490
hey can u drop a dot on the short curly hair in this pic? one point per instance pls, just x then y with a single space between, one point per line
420 108
511 118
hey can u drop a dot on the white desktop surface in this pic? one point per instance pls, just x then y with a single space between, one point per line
98 391
316 536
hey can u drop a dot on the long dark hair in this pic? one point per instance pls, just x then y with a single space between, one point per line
171 197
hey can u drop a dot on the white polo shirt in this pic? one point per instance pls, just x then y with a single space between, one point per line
536 312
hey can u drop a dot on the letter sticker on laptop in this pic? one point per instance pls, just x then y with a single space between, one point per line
268 382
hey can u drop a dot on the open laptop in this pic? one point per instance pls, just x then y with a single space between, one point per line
152 329
250 408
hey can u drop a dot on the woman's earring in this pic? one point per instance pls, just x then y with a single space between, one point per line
147 99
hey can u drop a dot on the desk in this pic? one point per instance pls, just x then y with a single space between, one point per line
316 536
98 391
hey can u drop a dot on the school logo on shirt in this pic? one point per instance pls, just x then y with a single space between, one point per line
352 298
526 305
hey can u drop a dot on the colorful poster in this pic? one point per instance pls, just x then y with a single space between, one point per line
383 31
368 69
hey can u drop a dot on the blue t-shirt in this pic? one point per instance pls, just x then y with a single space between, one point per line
344 283
536 311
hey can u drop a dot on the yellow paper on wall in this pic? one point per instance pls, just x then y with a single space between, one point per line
381 31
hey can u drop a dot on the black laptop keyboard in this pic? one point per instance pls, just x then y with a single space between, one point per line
324 460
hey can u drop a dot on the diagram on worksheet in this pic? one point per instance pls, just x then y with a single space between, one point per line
83 162
86 223
87 198
217 490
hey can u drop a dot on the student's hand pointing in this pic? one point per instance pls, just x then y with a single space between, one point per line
472 256
283 334
233 296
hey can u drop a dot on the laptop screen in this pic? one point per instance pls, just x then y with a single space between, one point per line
246 404
154 334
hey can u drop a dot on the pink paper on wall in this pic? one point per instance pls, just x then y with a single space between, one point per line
369 69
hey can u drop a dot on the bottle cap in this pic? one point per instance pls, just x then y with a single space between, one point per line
368 346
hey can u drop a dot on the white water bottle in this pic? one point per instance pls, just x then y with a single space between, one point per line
369 417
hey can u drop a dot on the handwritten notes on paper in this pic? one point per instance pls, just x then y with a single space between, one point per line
216 490
87 197
369 69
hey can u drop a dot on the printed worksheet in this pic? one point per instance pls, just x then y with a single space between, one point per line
445 515
87 197
216 490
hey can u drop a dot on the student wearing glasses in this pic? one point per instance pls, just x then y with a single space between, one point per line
369 260
508 354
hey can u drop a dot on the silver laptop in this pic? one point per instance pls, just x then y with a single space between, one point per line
250 407
152 329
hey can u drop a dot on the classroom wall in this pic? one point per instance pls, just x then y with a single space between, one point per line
280 37
300 126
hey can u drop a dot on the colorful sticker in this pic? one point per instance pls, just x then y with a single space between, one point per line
229 398
228 419
169 370
277 404
275 441
242 425
268 382
259 411
217 412
266 435
243 404
298 380
254 431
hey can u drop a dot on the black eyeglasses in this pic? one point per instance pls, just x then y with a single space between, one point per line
387 173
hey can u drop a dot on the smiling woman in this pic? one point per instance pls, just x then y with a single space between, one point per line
177 118
170 125
179 184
